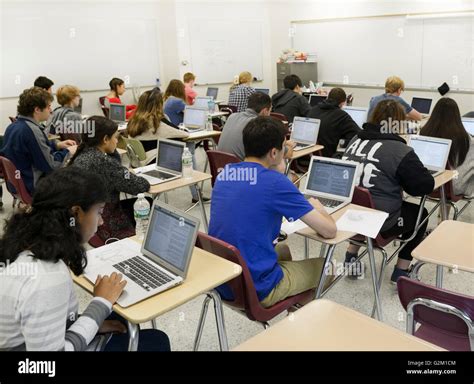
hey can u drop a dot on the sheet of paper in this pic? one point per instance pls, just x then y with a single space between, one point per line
362 222
110 254
290 227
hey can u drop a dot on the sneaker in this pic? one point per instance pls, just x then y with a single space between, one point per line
356 269
397 273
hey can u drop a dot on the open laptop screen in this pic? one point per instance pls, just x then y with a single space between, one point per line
263 90
117 112
316 99
305 130
432 154
170 155
170 237
202 102
468 126
421 105
358 115
332 178
211 91
195 117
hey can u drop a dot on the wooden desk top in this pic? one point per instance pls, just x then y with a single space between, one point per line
206 272
444 178
219 114
451 244
340 235
179 183
323 325
121 151
201 135
306 151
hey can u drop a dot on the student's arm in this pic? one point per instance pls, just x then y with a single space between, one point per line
168 131
319 220
43 156
414 115
304 106
349 129
123 180
414 178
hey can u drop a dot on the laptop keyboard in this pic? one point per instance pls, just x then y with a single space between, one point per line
142 273
329 202
301 146
433 172
158 174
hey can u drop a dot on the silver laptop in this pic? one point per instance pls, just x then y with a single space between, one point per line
212 92
432 151
168 164
160 264
195 118
332 181
468 125
202 102
304 132
118 114
422 105
358 114
315 99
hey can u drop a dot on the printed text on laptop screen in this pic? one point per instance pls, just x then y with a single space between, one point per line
331 178
169 156
304 131
430 153
169 237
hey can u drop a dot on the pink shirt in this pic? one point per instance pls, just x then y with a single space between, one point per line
190 94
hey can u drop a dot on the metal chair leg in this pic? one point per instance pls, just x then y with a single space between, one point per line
219 313
382 270
202 320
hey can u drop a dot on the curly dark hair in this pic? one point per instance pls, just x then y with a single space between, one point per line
31 98
46 229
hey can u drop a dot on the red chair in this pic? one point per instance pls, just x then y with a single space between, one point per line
14 182
245 296
282 118
105 110
446 318
218 160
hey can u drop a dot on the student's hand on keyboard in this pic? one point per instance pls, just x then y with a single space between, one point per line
109 287
112 326
65 144
318 206
291 145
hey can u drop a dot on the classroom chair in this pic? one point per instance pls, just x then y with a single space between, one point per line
245 296
469 114
227 108
282 118
446 318
14 182
136 153
218 160
105 110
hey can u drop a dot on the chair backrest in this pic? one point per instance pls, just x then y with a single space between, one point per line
14 182
282 118
105 110
227 108
409 289
217 161
242 287
448 190
137 147
469 114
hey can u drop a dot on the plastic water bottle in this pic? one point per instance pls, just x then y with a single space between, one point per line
209 123
187 161
141 212
211 105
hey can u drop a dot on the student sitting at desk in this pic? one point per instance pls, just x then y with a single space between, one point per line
336 124
394 86
390 167
39 306
66 122
148 123
25 143
94 155
117 89
290 101
445 122
188 80
247 212
175 97
241 91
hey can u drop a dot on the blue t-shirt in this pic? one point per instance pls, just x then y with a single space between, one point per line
174 109
248 203
377 99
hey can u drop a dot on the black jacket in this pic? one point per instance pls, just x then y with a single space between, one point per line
336 124
290 103
390 167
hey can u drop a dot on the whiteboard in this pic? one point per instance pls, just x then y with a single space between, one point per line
365 51
220 49
85 52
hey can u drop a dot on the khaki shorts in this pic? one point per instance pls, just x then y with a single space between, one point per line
298 276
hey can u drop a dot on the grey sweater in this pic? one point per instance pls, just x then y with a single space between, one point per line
464 183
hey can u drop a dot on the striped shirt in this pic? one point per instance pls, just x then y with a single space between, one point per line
39 308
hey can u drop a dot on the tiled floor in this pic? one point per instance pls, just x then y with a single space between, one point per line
181 323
